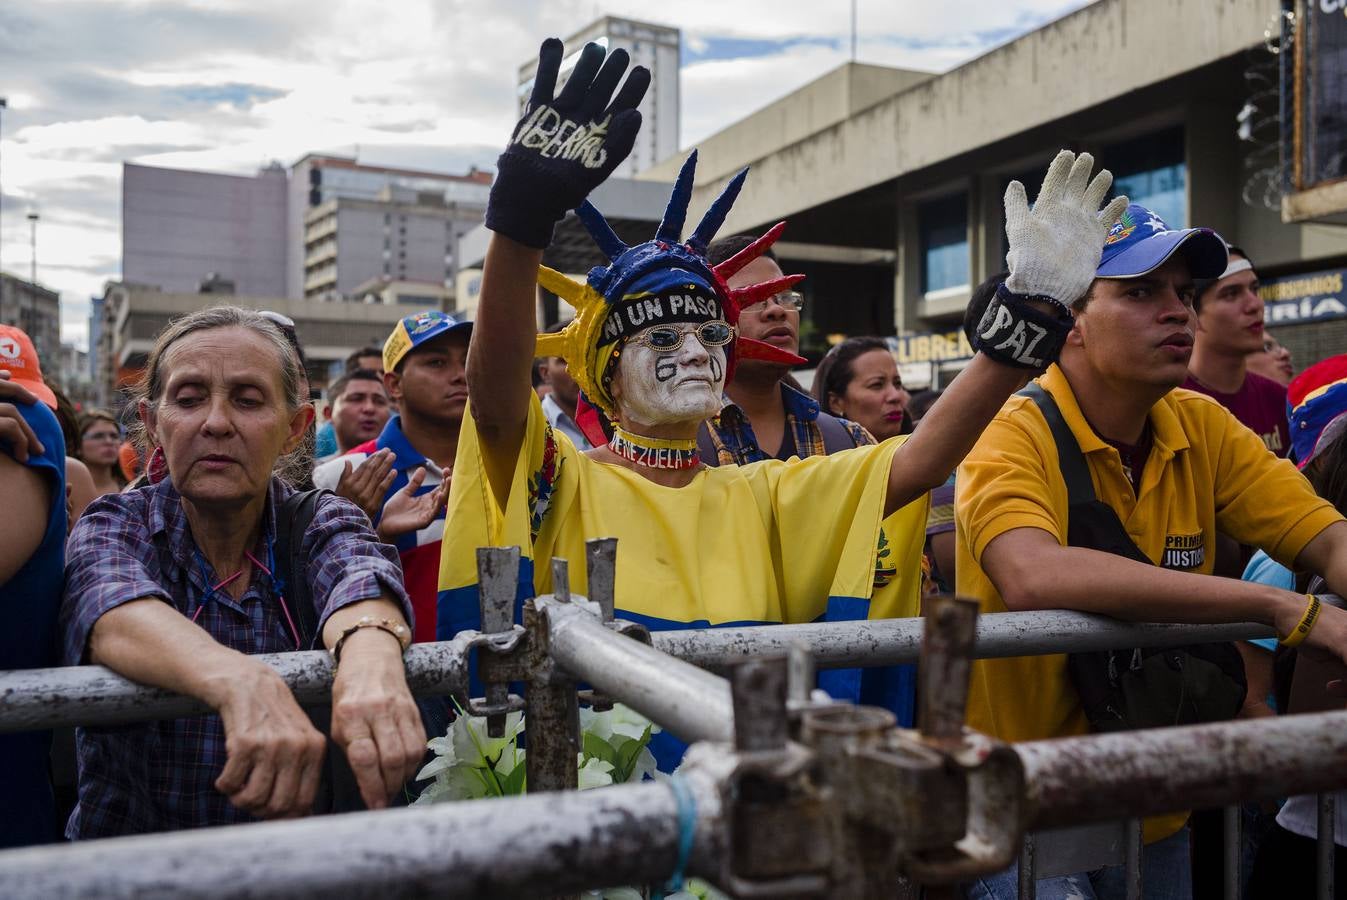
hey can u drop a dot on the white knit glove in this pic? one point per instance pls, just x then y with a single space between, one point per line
1055 248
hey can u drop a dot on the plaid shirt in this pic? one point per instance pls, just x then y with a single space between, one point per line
735 443
160 776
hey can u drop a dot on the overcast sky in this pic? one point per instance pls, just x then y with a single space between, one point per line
229 85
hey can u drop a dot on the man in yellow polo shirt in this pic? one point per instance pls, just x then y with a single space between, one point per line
1175 466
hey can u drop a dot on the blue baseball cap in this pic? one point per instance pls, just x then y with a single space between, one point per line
414 330
1140 242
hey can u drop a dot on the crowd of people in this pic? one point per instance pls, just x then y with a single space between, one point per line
1121 440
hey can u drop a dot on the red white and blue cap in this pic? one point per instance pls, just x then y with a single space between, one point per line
1140 242
1316 405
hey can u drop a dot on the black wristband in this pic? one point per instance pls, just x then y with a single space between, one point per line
1014 333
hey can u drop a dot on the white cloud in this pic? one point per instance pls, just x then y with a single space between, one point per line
229 85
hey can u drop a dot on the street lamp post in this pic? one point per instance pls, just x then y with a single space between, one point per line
3 105
32 278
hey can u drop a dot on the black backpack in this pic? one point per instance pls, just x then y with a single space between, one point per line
1123 690
337 791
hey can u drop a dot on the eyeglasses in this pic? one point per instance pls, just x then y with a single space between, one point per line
281 320
666 338
791 301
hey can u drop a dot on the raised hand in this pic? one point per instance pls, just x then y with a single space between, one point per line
405 511
15 432
566 145
1054 252
366 484
1056 246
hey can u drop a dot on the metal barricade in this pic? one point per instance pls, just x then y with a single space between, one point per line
783 793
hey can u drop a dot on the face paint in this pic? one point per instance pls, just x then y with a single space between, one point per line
662 388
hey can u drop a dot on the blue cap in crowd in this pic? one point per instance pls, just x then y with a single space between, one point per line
1141 242
414 330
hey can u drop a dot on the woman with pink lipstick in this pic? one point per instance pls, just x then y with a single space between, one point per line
859 380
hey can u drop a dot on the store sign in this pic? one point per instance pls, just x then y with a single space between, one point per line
946 346
1304 298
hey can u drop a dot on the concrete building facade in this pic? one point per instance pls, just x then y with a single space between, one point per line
402 234
133 316
179 225
657 47
894 197
36 310
338 198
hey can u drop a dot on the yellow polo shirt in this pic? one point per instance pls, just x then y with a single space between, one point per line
1206 473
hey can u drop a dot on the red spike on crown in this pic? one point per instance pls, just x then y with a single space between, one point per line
731 266
745 297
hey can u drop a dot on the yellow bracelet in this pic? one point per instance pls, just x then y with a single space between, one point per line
1302 629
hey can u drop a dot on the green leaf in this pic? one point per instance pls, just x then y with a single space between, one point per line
514 783
628 750
598 748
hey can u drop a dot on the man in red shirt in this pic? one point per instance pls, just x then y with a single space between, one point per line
1229 328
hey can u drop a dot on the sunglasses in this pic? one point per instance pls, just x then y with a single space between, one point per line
666 338
787 300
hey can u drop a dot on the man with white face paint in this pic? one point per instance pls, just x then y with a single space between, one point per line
651 345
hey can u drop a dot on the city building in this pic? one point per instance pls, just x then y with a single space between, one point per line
349 222
178 225
401 234
320 229
75 379
37 310
133 316
893 187
654 46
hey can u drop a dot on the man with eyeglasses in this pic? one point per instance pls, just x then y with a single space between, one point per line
766 415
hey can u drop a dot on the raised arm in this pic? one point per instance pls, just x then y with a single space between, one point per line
562 149
1054 251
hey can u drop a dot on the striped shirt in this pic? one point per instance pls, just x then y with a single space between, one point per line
730 434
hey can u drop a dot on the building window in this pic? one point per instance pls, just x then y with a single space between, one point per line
387 219
1151 171
943 228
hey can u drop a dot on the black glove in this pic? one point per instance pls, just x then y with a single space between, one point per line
1015 334
563 148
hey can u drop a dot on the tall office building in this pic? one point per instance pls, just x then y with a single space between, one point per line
322 229
179 226
349 223
654 46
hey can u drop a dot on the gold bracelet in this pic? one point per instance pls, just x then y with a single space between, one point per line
1302 629
399 632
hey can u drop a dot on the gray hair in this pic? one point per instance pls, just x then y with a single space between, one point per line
150 386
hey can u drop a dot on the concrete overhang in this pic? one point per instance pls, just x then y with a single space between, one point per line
1031 82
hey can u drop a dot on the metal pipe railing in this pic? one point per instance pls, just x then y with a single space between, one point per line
36 699
32 699
506 847
887 642
1100 777
689 702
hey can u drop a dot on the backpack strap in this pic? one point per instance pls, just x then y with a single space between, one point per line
1076 474
835 435
293 519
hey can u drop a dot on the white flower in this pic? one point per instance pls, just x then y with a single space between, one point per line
471 743
594 772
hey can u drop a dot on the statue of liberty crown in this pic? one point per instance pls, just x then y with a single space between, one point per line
606 286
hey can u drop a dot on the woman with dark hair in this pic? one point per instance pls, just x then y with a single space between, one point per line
100 440
858 380
177 583
1284 864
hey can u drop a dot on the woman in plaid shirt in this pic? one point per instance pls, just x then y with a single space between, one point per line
171 585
